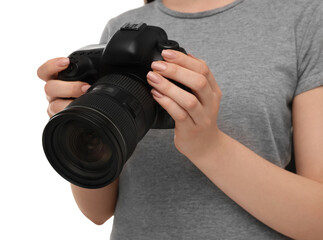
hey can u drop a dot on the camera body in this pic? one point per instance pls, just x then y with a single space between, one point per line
92 138
130 51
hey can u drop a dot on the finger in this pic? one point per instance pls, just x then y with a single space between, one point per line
184 99
50 69
57 106
195 81
63 89
181 117
190 62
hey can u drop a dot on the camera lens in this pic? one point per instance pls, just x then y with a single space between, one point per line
87 145
91 139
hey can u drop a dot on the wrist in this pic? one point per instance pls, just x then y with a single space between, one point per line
212 149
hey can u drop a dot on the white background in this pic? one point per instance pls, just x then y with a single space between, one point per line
35 202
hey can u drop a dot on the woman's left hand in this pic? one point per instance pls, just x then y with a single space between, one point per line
195 113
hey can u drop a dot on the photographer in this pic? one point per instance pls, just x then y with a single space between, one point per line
255 68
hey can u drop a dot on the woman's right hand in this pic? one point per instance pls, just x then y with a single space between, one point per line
59 93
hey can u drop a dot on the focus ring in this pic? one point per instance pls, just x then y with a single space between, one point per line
115 112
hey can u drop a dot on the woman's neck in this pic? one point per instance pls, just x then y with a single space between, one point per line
191 6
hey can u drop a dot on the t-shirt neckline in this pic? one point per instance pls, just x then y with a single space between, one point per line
208 13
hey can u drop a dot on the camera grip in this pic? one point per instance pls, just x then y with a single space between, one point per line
84 64
79 69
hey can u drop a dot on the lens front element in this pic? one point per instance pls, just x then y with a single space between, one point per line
87 145
84 147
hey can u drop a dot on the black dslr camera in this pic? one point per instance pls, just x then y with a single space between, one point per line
91 139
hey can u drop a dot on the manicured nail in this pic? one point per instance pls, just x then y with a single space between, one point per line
153 77
159 66
155 93
63 62
168 54
85 87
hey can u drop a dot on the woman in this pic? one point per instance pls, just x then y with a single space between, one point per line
220 173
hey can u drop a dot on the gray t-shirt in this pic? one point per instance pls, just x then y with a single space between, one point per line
262 54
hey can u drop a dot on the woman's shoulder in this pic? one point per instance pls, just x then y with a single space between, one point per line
136 15
297 7
296 14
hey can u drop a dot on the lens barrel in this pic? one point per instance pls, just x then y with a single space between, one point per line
89 141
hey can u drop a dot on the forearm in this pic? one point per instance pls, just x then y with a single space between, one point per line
286 202
96 204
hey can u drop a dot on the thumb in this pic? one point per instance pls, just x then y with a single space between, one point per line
50 69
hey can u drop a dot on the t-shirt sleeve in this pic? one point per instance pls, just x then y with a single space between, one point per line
310 54
105 36
110 29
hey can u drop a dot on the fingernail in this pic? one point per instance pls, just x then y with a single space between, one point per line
63 62
168 54
85 87
159 66
153 77
155 93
